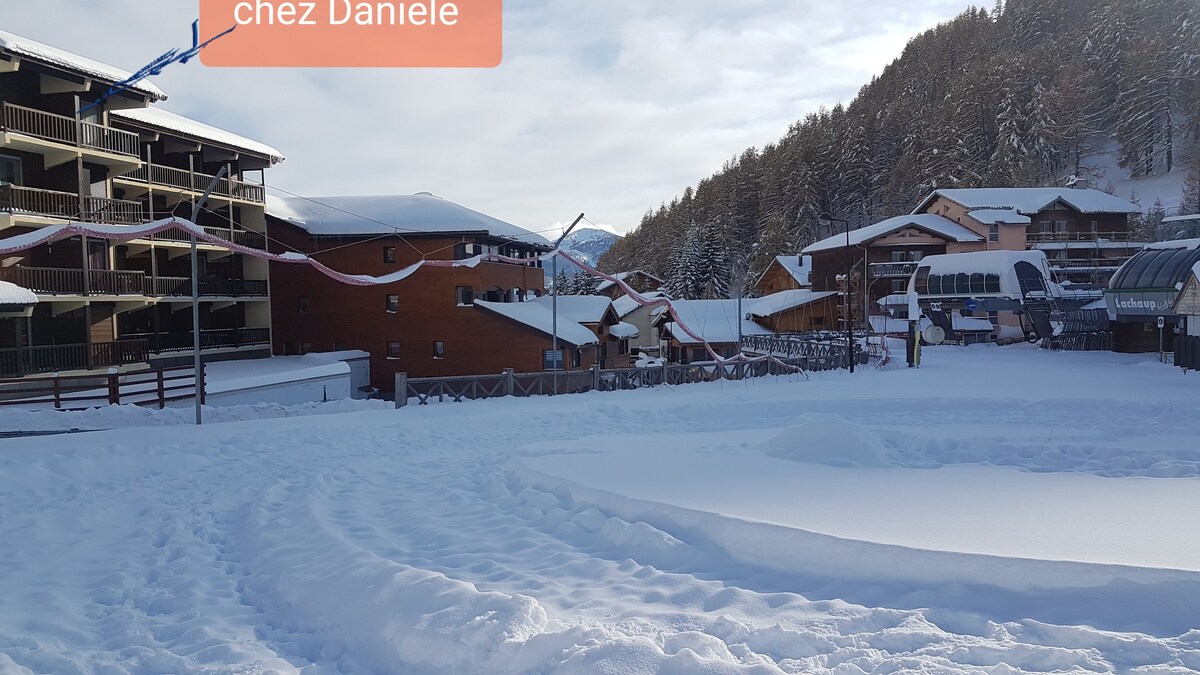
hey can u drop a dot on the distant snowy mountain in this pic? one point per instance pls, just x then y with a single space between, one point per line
586 244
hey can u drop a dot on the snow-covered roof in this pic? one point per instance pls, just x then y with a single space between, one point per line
623 330
772 304
422 213
986 262
164 119
38 51
1174 243
716 321
578 308
1180 219
540 318
605 284
999 217
799 267
930 222
12 294
1096 304
1032 200
624 305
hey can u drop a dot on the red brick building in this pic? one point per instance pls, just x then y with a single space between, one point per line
426 324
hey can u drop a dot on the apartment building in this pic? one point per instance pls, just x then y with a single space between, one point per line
124 161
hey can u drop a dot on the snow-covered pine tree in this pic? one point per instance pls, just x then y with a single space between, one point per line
584 283
562 282
684 273
714 263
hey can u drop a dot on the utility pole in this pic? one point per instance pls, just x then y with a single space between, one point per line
554 303
199 375
846 296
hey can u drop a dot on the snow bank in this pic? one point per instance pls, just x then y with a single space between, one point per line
830 440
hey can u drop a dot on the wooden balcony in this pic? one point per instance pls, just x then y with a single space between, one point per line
69 206
68 130
246 238
893 270
1094 263
1086 236
182 179
222 338
66 281
84 356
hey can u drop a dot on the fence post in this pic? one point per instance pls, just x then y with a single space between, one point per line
114 387
664 372
509 385
203 385
596 377
401 390
162 395
57 392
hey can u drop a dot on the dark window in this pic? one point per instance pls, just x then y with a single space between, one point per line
10 170
463 250
993 232
289 348
962 283
393 350
977 284
548 359
576 357
699 354
623 347
439 350
991 283
339 346
465 295
393 303
495 295
389 254
301 304
921 286
899 285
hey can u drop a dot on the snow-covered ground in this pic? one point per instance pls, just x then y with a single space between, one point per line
998 510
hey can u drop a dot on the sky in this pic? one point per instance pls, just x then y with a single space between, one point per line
606 107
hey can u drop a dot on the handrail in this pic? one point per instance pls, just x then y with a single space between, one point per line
63 129
170 176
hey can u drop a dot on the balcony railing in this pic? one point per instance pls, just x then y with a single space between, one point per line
223 338
68 130
182 286
1104 263
68 205
65 281
1039 237
55 358
893 270
245 238
197 182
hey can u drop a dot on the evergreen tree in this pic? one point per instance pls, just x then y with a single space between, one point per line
583 283
562 283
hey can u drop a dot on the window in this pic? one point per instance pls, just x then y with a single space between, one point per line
393 350
623 347
10 170
699 354
548 359
576 357
994 232
1060 226
302 304
899 285
1095 226
465 295
439 350
389 254
393 304
464 250
339 346
1045 226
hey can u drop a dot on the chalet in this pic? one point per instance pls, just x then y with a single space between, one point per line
1084 232
120 162
1147 287
642 282
785 273
1187 308
427 324
605 343
718 322
641 317
890 251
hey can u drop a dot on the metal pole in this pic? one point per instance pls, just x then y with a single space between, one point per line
199 374
554 303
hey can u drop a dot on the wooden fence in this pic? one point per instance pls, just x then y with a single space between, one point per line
76 392
509 383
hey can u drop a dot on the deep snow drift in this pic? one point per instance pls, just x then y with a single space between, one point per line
981 513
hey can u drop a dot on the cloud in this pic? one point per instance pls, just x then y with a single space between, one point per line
608 107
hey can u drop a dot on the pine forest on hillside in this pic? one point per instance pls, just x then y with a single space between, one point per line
1008 97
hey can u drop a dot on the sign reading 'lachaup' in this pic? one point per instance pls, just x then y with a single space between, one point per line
353 34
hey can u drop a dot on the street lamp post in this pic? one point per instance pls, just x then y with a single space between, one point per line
199 374
846 295
554 304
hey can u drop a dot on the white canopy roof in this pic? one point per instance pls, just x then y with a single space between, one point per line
12 294
623 330
930 222
421 213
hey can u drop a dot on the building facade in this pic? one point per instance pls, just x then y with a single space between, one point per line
65 157
426 324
